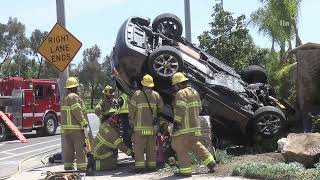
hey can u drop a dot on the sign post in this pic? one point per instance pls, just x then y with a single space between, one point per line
59 48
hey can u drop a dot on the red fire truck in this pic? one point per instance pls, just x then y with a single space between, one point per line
30 105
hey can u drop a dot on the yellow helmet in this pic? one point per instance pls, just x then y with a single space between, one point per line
72 82
178 78
108 90
147 81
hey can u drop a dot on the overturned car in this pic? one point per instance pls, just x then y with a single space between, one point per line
238 104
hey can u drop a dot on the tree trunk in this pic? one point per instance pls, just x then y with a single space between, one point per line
92 88
40 67
272 46
282 50
296 31
289 44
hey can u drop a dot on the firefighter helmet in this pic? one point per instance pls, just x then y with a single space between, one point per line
72 82
178 78
108 90
147 81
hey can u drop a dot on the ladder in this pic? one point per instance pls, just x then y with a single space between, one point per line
13 128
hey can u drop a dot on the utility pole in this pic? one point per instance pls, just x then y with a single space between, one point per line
187 20
65 74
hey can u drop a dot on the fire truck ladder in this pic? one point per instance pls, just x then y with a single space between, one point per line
13 128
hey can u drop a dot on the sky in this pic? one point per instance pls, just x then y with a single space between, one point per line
97 21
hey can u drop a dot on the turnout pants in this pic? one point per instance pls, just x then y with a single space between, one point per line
144 143
126 129
106 164
185 143
73 143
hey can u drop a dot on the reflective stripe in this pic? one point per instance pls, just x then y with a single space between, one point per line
139 164
129 151
196 130
181 103
144 130
151 164
76 105
98 165
147 132
178 118
105 142
133 103
65 108
118 141
187 170
208 160
82 166
96 148
104 156
68 165
84 123
70 127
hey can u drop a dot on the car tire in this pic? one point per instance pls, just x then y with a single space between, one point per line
269 121
254 74
50 126
4 131
169 25
164 61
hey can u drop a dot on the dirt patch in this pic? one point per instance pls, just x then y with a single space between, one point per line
226 169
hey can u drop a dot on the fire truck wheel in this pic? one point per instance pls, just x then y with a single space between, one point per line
50 126
3 131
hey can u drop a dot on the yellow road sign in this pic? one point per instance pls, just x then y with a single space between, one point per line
59 47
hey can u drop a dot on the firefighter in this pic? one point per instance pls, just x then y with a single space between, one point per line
74 127
187 130
107 143
124 113
142 121
106 106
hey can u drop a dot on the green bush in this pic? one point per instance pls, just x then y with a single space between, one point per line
316 123
223 157
275 171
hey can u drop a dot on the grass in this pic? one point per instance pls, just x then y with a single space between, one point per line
221 157
277 171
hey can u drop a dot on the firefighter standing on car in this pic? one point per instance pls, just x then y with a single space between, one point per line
141 118
106 106
74 127
124 117
187 106
107 143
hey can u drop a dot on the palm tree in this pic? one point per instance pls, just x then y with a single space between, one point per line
286 11
266 22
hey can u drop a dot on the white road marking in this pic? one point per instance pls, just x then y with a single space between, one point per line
28 152
10 142
8 162
23 147
7 153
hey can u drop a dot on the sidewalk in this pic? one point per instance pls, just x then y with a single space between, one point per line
123 171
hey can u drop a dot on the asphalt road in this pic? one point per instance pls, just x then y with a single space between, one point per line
13 152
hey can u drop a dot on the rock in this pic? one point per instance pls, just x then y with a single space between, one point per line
281 143
205 138
302 148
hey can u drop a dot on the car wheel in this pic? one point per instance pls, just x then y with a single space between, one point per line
4 131
164 62
269 121
168 24
254 74
50 126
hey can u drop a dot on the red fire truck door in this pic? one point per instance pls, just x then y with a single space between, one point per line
28 109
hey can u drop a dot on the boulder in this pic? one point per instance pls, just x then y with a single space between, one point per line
281 143
302 148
